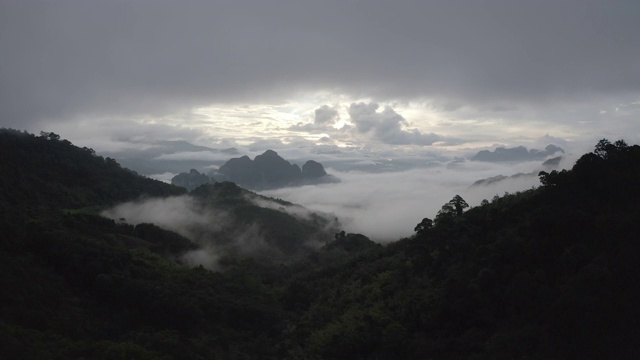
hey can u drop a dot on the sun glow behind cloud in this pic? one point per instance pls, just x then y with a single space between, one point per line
274 119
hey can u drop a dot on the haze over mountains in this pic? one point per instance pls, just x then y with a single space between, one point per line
168 156
372 183
516 154
221 218
407 103
266 171
221 271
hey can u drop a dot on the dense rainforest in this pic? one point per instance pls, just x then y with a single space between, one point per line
549 273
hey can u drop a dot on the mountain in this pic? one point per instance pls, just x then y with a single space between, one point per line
552 162
49 173
190 180
78 285
516 154
270 171
260 226
549 164
546 273
313 170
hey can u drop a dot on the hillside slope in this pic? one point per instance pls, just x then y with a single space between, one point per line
547 273
78 285
47 172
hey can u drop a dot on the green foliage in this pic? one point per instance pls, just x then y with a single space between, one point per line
455 207
49 173
273 225
424 225
545 273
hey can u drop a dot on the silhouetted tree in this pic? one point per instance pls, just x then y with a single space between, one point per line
50 135
423 226
604 148
458 204
621 145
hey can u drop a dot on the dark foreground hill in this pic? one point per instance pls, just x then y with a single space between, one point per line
47 172
548 273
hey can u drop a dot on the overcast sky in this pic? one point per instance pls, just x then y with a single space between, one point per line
397 72
383 76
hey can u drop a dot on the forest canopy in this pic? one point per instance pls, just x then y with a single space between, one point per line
550 272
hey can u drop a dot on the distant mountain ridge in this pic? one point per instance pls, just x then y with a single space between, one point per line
516 154
49 175
266 171
550 164
548 273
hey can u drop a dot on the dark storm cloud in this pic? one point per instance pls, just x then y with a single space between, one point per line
65 58
386 125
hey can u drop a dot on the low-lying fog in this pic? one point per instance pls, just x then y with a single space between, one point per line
387 206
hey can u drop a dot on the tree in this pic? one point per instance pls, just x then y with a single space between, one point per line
50 135
621 145
545 178
423 226
458 204
604 148
553 178
453 208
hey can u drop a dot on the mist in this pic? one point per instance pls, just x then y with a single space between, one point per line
193 219
221 231
387 206
181 214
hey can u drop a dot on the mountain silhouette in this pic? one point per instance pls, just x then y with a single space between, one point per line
516 154
270 171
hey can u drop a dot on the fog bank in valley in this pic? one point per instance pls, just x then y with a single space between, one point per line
387 206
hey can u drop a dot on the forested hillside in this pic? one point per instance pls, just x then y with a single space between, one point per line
49 173
547 273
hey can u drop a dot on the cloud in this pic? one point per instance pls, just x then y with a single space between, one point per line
108 134
164 177
69 58
221 231
386 126
309 127
195 155
181 214
213 229
325 115
324 118
119 75
386 206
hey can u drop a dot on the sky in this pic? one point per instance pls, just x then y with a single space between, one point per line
358 79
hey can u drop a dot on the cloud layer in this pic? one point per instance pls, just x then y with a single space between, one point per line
386 126
387 206
379 84
68 58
